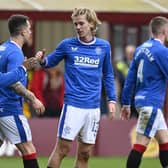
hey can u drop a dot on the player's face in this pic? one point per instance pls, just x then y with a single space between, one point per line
27 34
83 28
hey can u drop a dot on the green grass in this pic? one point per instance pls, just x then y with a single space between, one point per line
95 162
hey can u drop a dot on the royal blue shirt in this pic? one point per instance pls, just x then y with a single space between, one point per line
9 78
148 74
11 57
86 65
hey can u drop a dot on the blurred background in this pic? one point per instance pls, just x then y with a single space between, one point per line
124 25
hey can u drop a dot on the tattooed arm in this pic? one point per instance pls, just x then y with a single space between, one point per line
29 96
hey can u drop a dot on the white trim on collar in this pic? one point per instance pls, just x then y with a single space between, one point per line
15 44
158 40
89 43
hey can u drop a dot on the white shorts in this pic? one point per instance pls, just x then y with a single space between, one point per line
83 123
15 128
150 121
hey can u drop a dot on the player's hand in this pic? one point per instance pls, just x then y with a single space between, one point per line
30 63
40 55
125 112
38 106
112 110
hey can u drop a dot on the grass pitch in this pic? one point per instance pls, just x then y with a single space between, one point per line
95 162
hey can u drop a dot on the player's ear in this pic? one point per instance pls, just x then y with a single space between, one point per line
164 31
91 26
22 32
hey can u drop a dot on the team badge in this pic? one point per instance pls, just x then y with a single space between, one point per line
98 50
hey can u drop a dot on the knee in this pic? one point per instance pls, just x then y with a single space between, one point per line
26 148
84 155
63 150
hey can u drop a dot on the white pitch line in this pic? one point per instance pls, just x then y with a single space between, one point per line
34 4
156 5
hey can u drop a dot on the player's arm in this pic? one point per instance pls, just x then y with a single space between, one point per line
29 96
11 77
54 57
127 91
162 61
108 78
7 79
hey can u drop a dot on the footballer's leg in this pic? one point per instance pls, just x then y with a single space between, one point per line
135 155
61 149
16 129
28 154
87 137
83 154
143 134
24 142
162 138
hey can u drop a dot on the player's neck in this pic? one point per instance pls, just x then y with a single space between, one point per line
17 40
87 39
161 38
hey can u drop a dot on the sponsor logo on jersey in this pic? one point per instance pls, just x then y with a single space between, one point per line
86 61
74 48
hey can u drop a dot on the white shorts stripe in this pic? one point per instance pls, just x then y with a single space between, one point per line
15 128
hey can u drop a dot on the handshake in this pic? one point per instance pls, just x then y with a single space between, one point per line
33 62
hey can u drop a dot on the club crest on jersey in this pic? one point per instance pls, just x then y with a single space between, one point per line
98 50
86 61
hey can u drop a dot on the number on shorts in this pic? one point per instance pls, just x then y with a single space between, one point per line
95 128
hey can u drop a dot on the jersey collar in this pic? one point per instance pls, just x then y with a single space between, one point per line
92 42
158 40
15 44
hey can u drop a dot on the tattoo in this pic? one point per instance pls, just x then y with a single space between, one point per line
22 91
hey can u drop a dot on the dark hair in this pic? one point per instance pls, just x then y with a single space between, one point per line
16 23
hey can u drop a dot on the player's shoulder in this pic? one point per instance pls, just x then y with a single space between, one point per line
69 40
159 48
8 47
102 42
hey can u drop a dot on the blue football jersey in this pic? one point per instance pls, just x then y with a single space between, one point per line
11 57
86 65
148 75
9 78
